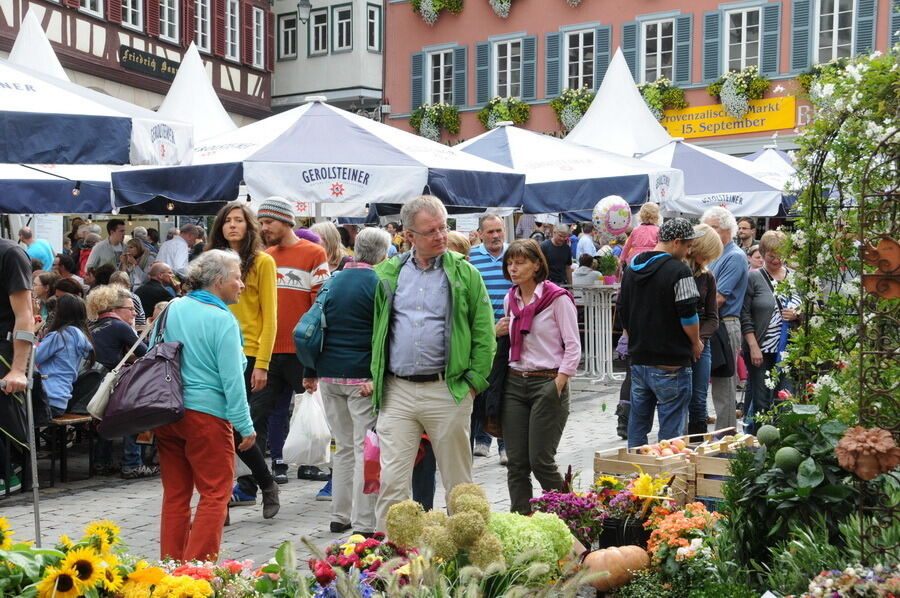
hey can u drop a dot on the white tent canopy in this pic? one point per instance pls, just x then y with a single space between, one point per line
193 100
618 119
32 49
778 166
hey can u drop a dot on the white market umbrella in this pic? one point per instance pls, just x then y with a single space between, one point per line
319 154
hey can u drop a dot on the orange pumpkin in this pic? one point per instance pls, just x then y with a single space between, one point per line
620 561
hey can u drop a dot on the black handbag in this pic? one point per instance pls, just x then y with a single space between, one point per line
149 393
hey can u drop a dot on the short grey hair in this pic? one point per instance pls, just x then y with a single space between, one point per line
561 227
119 277
211 267
94 228
720 219
139 232
423 203
489 216
371 245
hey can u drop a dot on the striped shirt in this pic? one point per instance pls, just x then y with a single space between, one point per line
491 270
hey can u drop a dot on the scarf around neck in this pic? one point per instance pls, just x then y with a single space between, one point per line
524 316
208 298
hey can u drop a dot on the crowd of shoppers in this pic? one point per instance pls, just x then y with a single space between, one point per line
435 339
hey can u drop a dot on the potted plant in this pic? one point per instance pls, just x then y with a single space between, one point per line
735 89
607 264
571 105
430 119
430 10
661 95
501 109
501 7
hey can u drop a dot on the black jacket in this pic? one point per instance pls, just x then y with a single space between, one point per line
658 297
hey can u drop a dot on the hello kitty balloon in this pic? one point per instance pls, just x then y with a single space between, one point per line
612 215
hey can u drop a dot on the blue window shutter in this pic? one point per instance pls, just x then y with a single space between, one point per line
801 32
629 46
602 46
529 61
894 23
712 42
459 76
865 26
551 74
417 83
482 73
771 29
684 36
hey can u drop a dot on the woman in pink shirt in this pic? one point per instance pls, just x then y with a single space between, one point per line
542 325
645 236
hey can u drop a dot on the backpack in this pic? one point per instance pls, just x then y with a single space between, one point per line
309 333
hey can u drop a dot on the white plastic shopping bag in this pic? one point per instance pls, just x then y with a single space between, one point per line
309 439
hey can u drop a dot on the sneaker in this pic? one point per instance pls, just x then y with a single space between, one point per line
133 473
325 493
239 498
337 527
310 472
15 484
279 472
481 450
105 470
504 460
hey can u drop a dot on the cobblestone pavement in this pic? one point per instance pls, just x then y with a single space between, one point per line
135 505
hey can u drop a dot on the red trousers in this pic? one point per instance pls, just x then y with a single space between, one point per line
196 452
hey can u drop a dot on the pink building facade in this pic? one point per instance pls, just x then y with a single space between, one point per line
546 46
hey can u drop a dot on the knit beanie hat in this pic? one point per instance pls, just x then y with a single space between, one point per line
277 208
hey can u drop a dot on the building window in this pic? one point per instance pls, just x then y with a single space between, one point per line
168 20
743 39
232 29
318 32
440 76
259 38
373 28
508 69
658 57
133 14
287 36
343 28
202 36
92 7
835 27
580 60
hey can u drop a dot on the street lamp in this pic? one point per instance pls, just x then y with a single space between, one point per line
304 7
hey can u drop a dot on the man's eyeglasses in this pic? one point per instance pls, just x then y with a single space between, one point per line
128 307
433 234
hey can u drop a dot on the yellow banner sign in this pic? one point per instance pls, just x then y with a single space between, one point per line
708 121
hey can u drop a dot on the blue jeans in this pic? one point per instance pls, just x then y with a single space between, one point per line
669 392
758 398
480 437
700 384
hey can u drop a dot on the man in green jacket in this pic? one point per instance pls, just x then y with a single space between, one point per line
433 344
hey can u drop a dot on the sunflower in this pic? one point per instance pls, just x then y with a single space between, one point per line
105 531
5 535
113 580
60 583
87 564
66 542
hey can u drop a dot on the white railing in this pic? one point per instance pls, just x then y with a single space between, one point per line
598 349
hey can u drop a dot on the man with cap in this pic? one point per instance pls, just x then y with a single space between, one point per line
301 268
658 307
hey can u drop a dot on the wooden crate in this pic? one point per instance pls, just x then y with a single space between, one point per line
711 466
621 463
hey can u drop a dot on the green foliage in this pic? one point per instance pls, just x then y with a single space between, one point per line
444 116
722 590
661 95
856 110
571 104
648 583
807 551
503 109
452 6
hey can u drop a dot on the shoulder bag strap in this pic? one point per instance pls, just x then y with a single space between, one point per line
134 347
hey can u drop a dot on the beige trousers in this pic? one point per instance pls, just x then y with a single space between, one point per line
408 409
